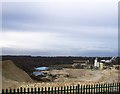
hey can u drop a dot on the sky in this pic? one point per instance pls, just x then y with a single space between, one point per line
60 28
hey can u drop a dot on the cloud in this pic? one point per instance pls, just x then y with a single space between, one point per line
64 28
56 43
24 15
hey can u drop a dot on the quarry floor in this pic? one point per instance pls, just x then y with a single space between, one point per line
76 76
14 77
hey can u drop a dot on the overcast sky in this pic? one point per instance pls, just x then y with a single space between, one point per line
70 28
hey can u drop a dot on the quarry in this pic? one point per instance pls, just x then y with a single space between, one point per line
79 72
60 73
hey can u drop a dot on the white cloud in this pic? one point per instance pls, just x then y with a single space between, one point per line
63 27
76 38
61 1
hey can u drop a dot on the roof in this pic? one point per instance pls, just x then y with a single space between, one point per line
42 68
38 73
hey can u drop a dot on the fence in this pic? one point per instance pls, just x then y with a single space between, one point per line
112 88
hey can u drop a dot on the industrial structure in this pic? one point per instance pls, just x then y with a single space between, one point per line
97 64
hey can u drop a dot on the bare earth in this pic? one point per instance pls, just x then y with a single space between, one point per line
13 77
79 76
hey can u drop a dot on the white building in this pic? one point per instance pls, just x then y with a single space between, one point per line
96 63
108 61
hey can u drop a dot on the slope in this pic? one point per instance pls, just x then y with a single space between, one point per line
12 75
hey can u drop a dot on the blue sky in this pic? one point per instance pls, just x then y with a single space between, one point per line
51 28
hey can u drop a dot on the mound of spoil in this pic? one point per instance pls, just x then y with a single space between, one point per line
12 75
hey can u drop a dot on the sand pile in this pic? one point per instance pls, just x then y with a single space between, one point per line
12 75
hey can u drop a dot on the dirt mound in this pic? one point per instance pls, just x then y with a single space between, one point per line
12 74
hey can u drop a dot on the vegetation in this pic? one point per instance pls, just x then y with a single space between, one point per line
28 63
